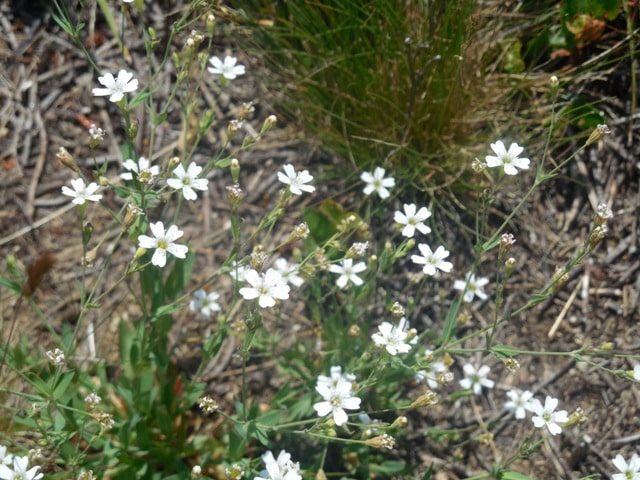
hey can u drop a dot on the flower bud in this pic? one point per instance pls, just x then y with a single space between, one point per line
196 472
234 168
133 212
210 23
506 240
354 331
174 162
96 135
258 257
381 441
268 124
66 159
300 232
397 311
132 129
425 400
400 422
599 132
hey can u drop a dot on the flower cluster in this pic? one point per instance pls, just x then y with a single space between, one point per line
337 394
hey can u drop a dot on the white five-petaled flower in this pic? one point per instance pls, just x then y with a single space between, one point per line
266 287
474 287
296 180
508 160
188 180
412 220
5 458
628 471
394 338
348 272
376 182
432 261
116 87
338 397
547 416
476 379
20 470
431 372
145 173
205 303
81 192
281 468
227 68
289 271
336 377
518 402
163 242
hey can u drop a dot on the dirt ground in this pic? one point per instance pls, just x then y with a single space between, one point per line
46 103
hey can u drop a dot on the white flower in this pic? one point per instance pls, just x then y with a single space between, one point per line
20 470
629 471
116 87
289 272
474 287
55 356
412 220
508 160
636 373
96 134
547 416
81 192
228 69
338 397
336 377
145 173
204 302
377 182
163 243
393 337
430 373
5 458
476 379
188 180
519 402
237 271
432 261
348 272
281 468
266 287
296 181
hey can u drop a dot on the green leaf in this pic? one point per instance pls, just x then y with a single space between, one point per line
138 99
63 385
451 322
505 351
510 475
4 282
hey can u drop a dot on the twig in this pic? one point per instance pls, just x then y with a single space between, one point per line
564 311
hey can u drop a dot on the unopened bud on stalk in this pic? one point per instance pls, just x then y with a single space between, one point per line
258 256
96 135
300 232
174 162
397 311
553 81
132 129
429 398
354 331
196 472
559 279
268 124
133 212
66 159
139 253
400 422
599 132
210 22
381 441
509 266
578 416
234 168
511 364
